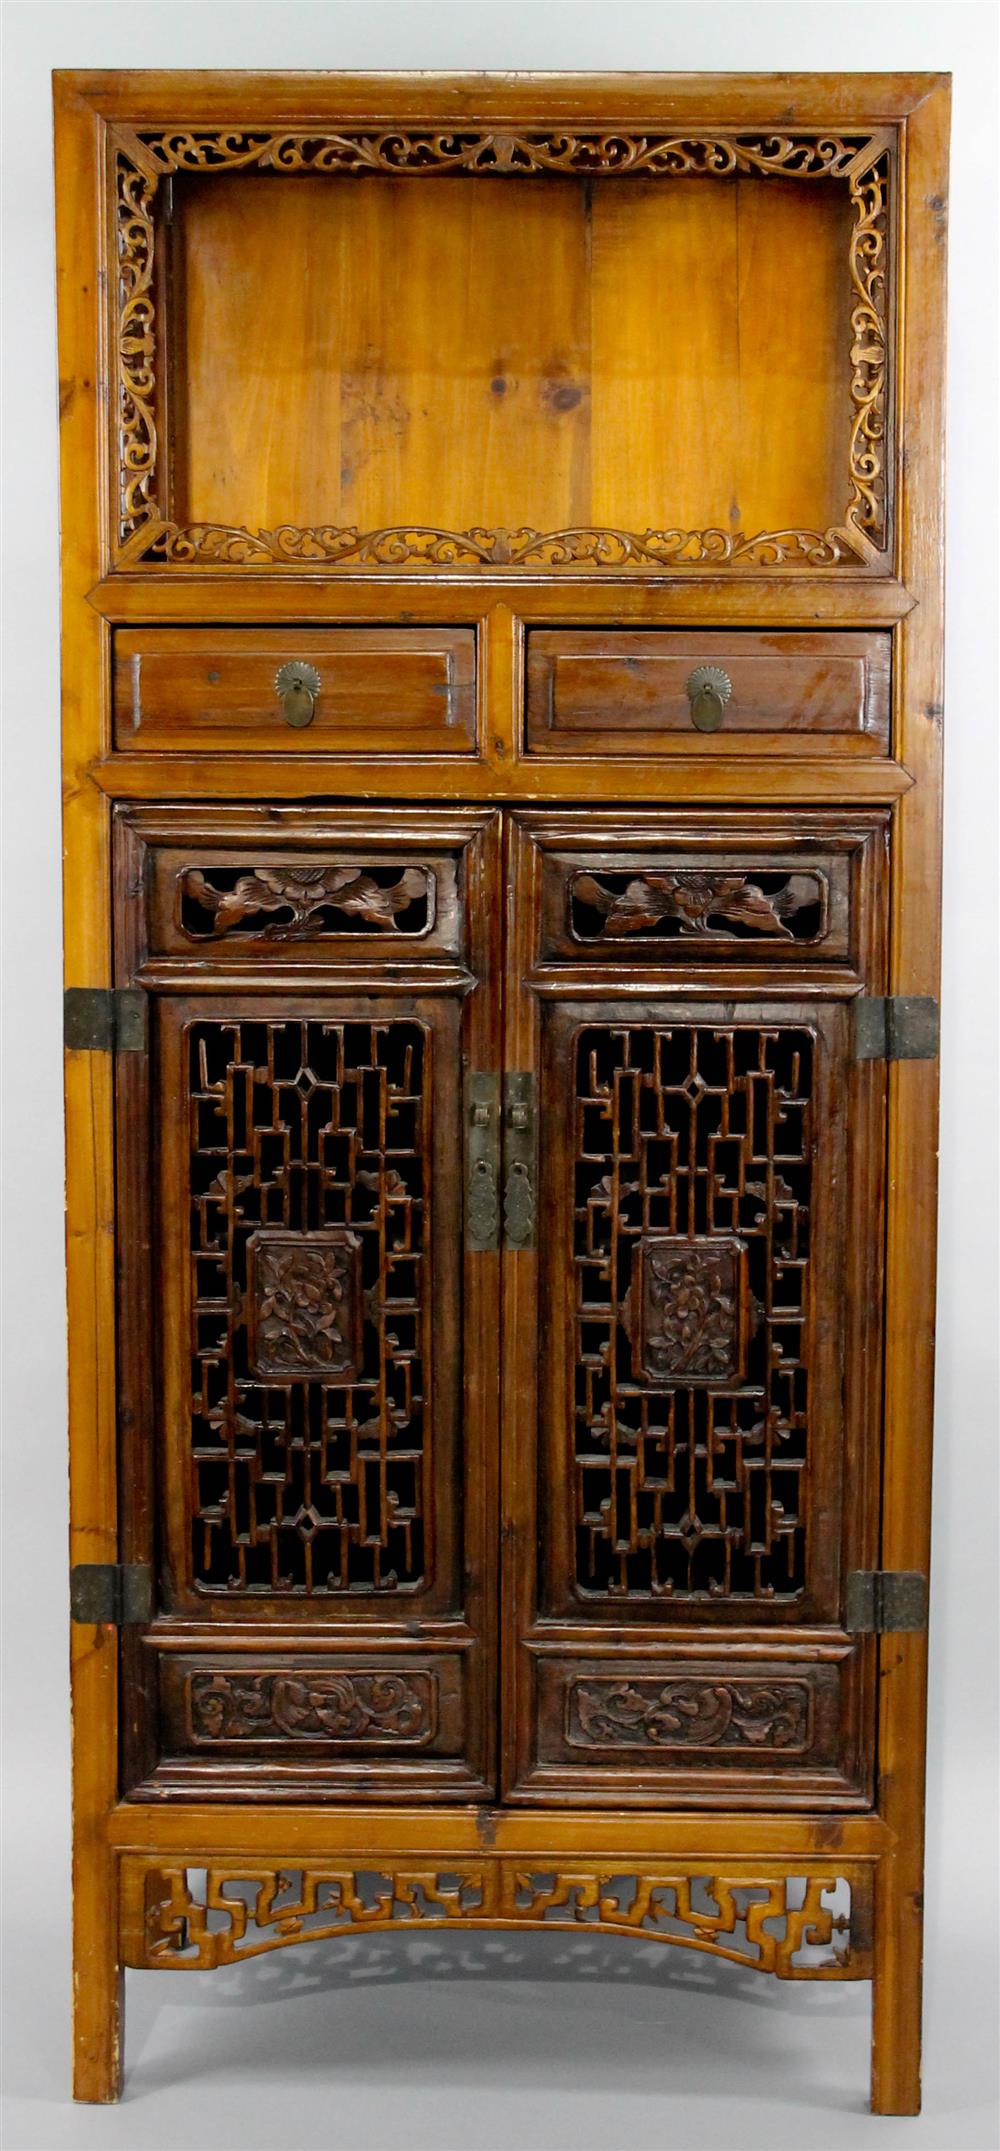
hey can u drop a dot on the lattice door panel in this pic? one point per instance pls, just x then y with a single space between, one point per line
311 1329
691 1420
303 1262
693 1266
700 1422
309 1465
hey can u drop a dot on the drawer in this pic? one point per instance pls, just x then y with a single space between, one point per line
596 692
381 690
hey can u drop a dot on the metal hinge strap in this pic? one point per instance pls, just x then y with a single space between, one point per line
482 1162
883 1601
901 1027
519 1196
104 1019
120 1593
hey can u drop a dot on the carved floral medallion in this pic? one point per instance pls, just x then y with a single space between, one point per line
692 1309
305 1302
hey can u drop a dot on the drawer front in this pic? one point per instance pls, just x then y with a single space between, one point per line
592 692
380 690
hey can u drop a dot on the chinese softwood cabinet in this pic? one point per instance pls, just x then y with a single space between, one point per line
502 690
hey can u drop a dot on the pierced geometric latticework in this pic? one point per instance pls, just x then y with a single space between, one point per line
308 1246
692 1141
797 1927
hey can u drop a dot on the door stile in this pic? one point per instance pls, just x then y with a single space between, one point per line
137 1172
481 1282
520 1286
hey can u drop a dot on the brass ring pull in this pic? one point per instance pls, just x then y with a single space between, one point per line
709 689
297 686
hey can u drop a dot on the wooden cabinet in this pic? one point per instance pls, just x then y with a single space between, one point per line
502 773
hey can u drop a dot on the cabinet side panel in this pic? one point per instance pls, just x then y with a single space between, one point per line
913 1106
88 1080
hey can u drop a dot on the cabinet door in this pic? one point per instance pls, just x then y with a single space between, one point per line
692 1361
309 1358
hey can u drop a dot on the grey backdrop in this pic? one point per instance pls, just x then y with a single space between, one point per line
562 2041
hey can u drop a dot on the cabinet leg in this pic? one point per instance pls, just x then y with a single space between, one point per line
98 1981
896 1993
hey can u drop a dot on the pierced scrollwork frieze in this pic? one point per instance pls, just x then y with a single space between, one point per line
231 545
136 337
427 150
868 507
860 162
793 1927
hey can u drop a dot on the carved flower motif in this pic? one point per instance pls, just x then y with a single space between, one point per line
691 1315
688 901
298 900
304 1304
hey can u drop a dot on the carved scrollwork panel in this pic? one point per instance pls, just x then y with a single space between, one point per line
638 1712
347 1706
